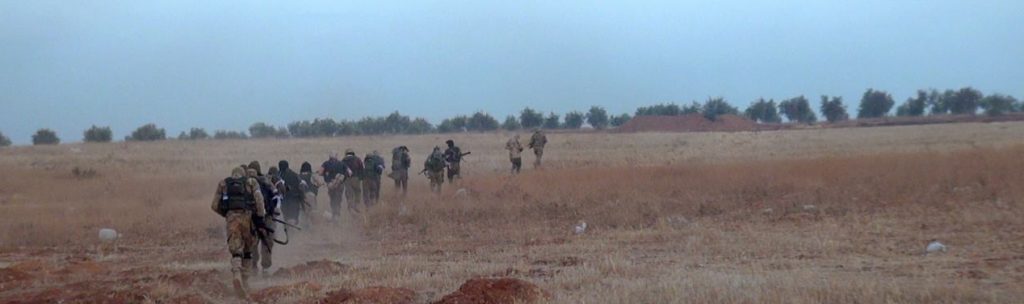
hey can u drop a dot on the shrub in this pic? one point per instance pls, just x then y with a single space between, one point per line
530 118
511 123
481 122
45 137
263 130
147 132
620 120
222 134
97 134
914 106
997 104
573 120
551 122
4 141
763 111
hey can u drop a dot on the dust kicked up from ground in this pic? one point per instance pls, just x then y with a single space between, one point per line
800 216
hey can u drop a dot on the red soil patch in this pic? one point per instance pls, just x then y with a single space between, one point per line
496 291
82 266
688 123
371 295
313 268
30 266
10 275
275 293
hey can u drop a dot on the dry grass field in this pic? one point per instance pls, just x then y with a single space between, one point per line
800 216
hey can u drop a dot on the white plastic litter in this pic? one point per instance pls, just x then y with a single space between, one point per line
109 235
934 247
581 228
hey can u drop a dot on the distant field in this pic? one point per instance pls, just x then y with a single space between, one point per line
796 216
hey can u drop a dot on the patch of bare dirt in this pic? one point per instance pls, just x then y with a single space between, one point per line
495 291
313 268
274 294
370 295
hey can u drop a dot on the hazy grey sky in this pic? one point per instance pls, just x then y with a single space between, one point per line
223 65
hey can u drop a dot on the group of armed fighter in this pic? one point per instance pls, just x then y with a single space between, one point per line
249 201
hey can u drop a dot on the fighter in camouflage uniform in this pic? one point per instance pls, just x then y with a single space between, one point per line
371 178
237 199
400 163
537 142
515 152
261 250
434 168
453 156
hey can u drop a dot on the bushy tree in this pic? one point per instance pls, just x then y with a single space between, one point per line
875 104
197 134
573 120
998 104
597 117
693 108
660 109
833 109
797 109
552 122
511 123
396 123
147 132
717 106
324 127
454 124
620 120
530 118
939 103
98 134
45 137
419 126
263 130
764 111
914 106
4 141
446 126
223 134
481 122
965 101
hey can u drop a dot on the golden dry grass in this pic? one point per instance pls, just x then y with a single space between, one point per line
803 216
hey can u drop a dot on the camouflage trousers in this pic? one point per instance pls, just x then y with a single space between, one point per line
539 152
401 177
261 249
371 190
517 164
454 170
240 243
353 193
436 179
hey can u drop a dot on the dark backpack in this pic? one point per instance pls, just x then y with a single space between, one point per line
236 194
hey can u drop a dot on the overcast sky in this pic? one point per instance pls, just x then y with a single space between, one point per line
67 65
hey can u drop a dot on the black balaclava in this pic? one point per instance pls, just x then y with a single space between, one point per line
282 166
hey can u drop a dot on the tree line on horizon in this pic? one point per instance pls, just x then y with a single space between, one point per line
873 104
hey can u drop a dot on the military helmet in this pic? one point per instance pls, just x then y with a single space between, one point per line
349 151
